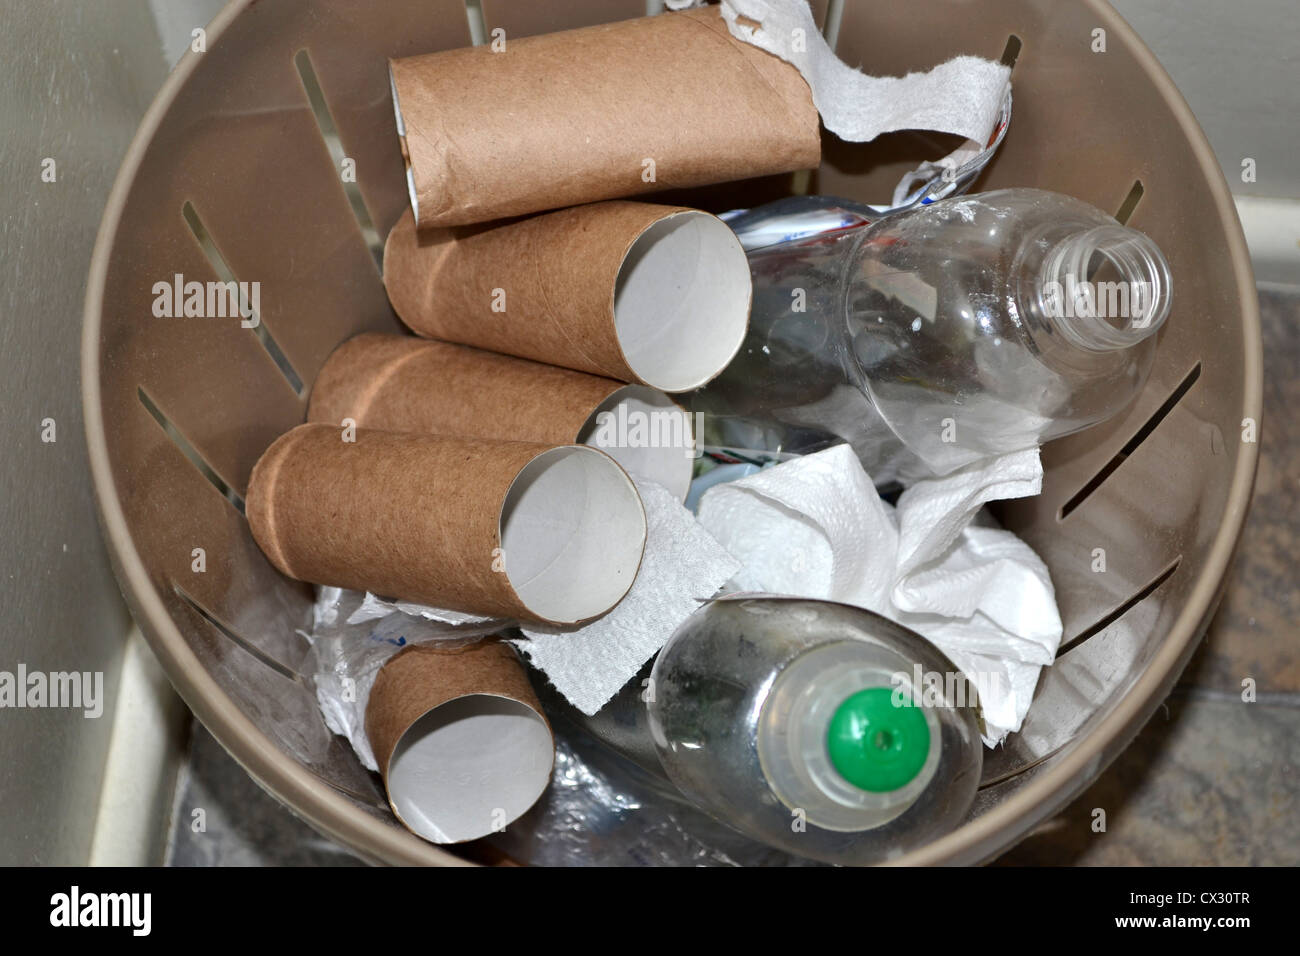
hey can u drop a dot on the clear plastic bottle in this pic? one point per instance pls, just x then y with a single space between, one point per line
818 728
951 332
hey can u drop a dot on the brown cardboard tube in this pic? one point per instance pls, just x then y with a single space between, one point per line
503 529
460 739
579 116
401 383
657 295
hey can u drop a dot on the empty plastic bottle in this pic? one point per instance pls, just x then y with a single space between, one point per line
947 333
817 728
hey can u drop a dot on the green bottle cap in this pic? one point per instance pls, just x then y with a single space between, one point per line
875 745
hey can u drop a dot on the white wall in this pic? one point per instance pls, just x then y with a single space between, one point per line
176 19
75 78
1237 62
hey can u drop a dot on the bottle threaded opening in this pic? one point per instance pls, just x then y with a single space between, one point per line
1105 288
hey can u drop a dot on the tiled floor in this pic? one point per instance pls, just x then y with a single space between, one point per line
1211 780
1257 630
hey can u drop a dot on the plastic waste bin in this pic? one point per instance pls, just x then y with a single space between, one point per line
271 157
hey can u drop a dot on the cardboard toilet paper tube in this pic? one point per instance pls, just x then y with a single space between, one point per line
657 295
502 529
401 383
460 739
603 112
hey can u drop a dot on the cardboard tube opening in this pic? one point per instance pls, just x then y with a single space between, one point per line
469 767
647 433
572 532
681 301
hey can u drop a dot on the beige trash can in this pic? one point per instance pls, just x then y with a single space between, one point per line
235 173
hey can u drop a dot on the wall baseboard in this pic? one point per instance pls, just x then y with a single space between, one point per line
1272 228
145 750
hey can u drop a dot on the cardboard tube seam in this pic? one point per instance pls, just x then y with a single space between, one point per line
363 402
403 383
587 360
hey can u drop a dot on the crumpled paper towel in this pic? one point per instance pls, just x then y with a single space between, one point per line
964 96
815 527
682 567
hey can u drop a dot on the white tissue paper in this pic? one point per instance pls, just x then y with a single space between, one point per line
682 567
815 527
965 96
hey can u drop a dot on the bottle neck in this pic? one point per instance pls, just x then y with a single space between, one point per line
1104 288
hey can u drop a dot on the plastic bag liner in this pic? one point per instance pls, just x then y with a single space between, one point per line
603 810
599 810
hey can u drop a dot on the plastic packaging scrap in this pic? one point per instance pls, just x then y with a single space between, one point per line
795 218
601 810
